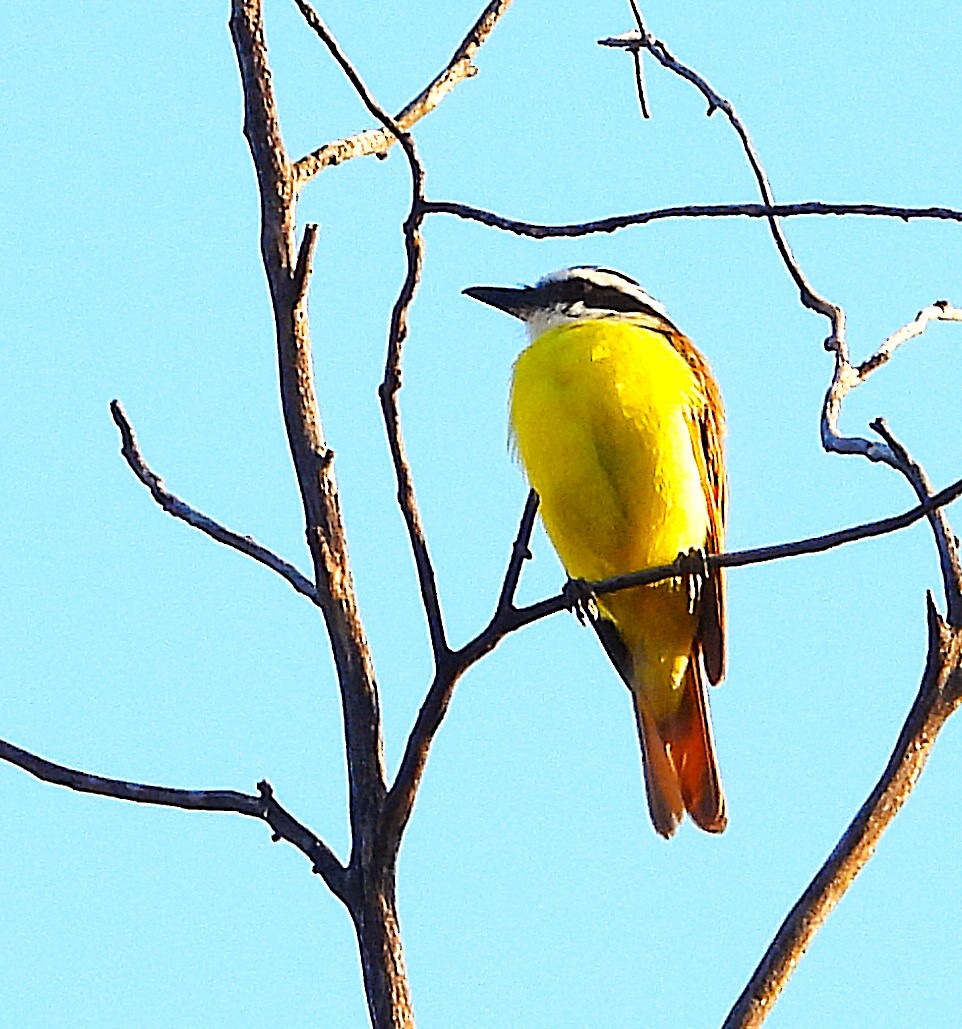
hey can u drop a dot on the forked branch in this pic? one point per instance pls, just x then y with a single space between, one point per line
642 39
848 376
379 141
507 618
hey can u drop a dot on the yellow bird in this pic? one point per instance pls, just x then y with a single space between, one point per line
618 422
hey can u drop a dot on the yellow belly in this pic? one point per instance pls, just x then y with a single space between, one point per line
603 414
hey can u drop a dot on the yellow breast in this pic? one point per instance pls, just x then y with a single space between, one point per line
603 414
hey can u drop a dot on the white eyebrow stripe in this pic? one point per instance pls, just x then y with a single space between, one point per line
606 278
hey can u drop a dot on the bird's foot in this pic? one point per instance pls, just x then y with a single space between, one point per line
693 567
581 600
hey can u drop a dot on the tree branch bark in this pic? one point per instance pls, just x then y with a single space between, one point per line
372 899
287 275
939 695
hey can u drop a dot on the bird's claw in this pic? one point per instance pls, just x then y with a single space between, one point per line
581 600
693 566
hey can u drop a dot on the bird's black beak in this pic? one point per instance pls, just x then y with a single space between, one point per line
516 301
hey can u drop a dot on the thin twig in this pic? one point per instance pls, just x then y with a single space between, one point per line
946 542
847 377
539 230
638 61
263 806
379 141
940 311
716 102
520 553
403 792
304 267
178 508
389 388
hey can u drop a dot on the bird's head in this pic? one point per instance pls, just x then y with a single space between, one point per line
574 294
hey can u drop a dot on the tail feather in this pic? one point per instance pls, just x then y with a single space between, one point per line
692 750
665 803
678 755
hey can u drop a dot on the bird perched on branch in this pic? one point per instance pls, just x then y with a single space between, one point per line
618 422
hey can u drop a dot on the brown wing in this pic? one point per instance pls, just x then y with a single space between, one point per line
708 430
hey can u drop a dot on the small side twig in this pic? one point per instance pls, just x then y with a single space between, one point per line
848 376
178 508
263 806
520 553
304 268
637 59
379 141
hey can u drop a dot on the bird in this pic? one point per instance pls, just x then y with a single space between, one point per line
618 423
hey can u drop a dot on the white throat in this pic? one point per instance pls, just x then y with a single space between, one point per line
547 318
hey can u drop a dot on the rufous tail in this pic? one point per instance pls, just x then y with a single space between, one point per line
678 755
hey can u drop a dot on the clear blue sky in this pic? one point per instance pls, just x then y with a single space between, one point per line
532 888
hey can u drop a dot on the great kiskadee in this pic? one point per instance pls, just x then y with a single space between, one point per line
618 422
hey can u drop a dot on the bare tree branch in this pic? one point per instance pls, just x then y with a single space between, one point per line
372 900
379 141
809 297
313 461
507 619
848 376
538 230
176 507
263 806
403 793
946 542
845 376
938 697
391 385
